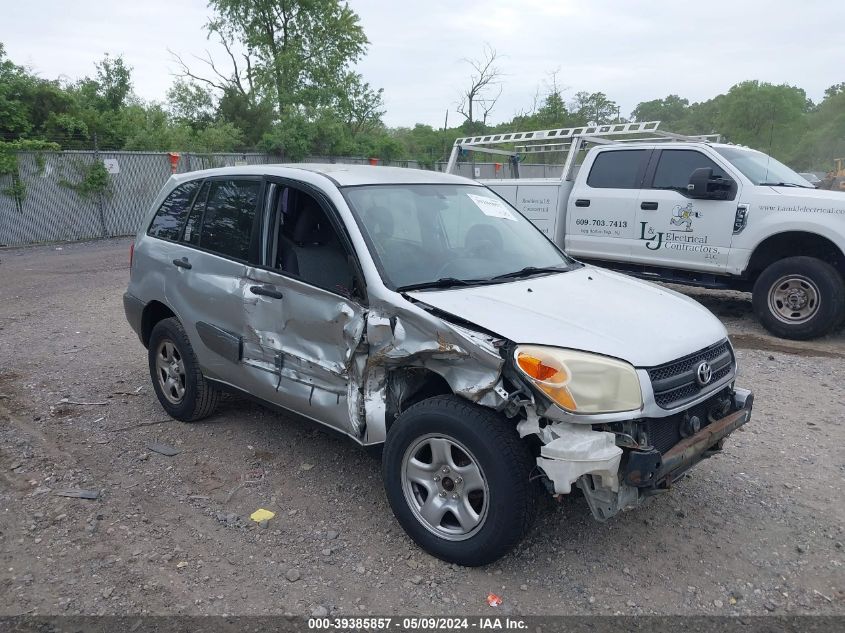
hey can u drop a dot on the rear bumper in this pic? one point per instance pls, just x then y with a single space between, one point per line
653 470
134 309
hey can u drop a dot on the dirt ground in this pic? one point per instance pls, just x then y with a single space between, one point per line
756 530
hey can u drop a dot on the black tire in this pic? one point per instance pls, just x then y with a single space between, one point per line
505 463
200 398
811 279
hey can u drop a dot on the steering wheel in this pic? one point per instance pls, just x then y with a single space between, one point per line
444 270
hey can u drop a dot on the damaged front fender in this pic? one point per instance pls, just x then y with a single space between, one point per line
468 361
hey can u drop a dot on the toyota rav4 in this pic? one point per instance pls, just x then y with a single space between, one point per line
420 312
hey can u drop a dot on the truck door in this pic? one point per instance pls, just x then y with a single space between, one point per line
677 231
602 209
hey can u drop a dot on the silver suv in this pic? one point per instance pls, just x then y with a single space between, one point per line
422 312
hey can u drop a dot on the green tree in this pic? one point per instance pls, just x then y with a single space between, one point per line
594 108
764 116
190 103
669 111
302 49
114 82
824 138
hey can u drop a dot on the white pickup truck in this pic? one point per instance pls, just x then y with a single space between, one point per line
685 210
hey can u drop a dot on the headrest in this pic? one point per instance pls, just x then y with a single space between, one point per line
312 226
380 221
484 235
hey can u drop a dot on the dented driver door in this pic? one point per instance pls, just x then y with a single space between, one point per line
301 328
298 346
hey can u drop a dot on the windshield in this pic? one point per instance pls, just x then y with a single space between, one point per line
448 234
760 168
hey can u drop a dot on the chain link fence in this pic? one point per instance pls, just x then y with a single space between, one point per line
53 205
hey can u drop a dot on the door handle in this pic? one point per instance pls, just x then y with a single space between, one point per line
266 291
648 206
582 203
182 263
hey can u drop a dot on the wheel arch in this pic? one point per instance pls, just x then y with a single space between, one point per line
406 386
154 312
794 244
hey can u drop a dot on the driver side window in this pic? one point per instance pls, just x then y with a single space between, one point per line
676 165
307 245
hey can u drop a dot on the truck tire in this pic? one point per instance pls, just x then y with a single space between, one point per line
799 298
457 477
178 382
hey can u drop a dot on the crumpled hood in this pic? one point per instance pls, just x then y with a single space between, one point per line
587 309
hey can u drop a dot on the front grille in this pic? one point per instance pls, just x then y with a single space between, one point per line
664 433
674 384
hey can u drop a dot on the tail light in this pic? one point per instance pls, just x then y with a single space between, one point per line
131 253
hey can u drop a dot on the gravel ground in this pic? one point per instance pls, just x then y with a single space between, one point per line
755 530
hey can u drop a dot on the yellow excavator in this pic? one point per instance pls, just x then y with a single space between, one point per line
835 179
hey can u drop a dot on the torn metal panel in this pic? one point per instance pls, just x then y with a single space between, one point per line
467 360
300 348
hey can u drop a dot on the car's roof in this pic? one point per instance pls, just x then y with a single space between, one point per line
341 174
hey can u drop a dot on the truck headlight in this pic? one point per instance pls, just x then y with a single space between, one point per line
580 382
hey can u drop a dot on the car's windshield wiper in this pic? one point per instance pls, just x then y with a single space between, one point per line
443 282
530 270
784 184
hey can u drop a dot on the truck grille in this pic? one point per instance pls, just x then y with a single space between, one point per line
675 383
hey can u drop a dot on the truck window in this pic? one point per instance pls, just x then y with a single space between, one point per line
676 165
618 169
168 220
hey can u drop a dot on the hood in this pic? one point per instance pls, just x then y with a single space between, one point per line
588 309
826 197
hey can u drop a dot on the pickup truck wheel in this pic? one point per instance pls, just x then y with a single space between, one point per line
457 477
179 384
799 298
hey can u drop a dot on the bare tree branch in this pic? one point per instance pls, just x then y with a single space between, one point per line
186 72
485 74
220 80
487 104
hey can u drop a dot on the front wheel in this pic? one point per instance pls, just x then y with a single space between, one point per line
457 477
799 298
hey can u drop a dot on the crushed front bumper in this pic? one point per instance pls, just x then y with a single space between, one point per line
651 471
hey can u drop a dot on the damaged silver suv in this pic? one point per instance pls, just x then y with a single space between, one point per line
421 312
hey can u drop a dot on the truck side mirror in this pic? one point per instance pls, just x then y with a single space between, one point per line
705 186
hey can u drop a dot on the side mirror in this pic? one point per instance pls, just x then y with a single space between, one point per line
705 186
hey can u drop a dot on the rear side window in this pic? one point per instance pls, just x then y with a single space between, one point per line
676 166
617 169
192 226
168 220
229 216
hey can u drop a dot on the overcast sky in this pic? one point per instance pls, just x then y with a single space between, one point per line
632 51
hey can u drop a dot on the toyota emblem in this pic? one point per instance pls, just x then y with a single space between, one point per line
704 373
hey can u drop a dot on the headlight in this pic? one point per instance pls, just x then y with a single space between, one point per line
581 382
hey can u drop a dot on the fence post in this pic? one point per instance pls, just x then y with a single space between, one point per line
100 204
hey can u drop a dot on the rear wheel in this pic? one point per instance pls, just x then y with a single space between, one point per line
457 476
799 298
178 382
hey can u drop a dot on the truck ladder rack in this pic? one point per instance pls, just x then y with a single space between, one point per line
574 138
